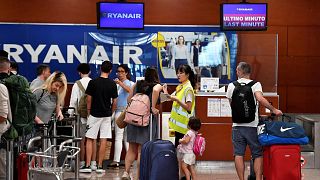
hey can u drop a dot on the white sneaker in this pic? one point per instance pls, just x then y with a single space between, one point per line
93 165
125 176
100 170
82 164
85 170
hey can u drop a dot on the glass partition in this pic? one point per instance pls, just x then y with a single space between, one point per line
261 52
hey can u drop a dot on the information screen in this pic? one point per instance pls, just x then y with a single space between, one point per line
120 15
244 17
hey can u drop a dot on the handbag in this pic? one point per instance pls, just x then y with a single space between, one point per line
120 120
11 133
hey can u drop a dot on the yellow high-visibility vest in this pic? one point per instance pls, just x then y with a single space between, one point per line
179 117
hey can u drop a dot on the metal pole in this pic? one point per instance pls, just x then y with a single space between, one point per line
54 140
9 160
77 134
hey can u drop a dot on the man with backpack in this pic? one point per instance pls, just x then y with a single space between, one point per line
79 102
244 96
102 97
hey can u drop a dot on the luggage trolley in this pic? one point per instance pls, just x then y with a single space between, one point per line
49 164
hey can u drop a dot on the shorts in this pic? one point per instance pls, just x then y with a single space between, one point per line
243 136
188 158
98 124
83 130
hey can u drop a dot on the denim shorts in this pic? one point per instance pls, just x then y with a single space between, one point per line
243 136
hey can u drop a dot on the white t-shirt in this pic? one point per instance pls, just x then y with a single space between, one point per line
76 94
255 88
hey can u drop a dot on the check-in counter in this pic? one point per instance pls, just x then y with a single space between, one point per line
217 129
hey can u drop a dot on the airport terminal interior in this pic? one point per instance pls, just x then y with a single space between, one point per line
277 39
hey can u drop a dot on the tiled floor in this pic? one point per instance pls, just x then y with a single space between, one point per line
205 170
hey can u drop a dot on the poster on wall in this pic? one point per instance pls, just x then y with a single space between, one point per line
134 49
210 52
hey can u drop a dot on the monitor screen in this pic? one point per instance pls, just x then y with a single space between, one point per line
243 16
120 15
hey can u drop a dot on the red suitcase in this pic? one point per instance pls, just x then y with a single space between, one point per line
22 166
281 162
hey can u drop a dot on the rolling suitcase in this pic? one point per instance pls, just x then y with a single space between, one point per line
281 162
22 166
158 160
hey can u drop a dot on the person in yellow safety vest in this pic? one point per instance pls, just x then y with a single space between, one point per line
183 101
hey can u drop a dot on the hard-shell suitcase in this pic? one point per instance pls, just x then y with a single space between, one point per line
158 160
282 162
22 166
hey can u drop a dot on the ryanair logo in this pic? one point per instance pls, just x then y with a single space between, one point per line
121 15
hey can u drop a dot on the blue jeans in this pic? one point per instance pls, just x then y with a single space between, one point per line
178 62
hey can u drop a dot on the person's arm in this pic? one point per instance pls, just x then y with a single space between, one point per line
74 96
4 106
37 120
173 56
185 105
123 85
263 101
155 95
131 92
89 100
114 104
59 112
185 140
188 56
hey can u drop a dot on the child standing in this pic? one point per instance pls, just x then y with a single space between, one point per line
186 156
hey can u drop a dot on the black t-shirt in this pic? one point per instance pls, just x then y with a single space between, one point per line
102 91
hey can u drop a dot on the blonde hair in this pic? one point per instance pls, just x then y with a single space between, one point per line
57 77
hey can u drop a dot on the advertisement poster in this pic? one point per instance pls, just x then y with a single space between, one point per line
211 53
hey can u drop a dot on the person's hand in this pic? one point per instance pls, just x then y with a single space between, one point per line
39 122
277 112
173 98
180 140
165 88
154 110
60 117
116 80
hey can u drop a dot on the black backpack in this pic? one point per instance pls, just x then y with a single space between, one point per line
243 105
22 103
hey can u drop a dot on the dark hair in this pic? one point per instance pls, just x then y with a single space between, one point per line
126 70
106 66
183 39
4 63
142 87
188 71
14 65
195 41
41 68
4 53
151 75
194 123
83 68
244 67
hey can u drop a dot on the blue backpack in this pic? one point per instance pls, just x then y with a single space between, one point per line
279 132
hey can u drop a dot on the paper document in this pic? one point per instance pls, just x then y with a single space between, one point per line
164 97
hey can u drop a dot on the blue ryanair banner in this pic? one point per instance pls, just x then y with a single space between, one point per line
63 47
